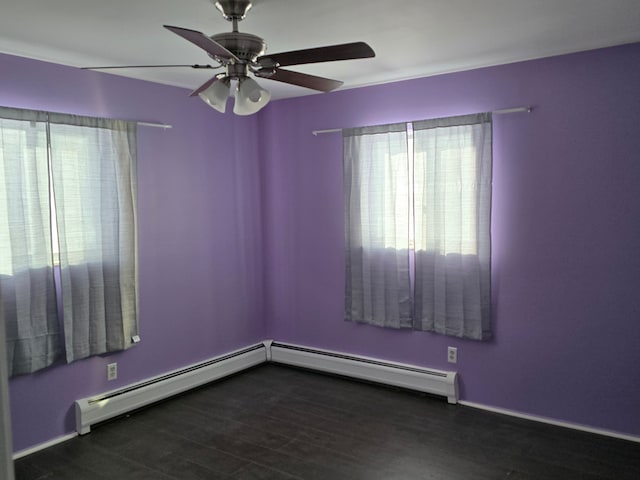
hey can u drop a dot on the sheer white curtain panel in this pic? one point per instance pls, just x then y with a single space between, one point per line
67 192
93 163
417 223
376 183
27 290
452 192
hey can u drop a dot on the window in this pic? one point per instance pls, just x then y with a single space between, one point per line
68 236
417 199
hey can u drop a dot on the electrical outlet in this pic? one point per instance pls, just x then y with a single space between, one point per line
452 355
112 371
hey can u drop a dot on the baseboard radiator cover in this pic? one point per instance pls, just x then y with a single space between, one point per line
438 382
96 409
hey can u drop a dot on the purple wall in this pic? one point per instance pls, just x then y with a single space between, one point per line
566 232
200 235
244 216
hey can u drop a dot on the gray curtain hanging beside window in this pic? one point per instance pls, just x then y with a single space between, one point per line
417 224
94 182
86 168
27 290
376 181
452 192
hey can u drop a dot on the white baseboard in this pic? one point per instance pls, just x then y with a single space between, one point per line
551 421
42 446
395 374
437 382
95 409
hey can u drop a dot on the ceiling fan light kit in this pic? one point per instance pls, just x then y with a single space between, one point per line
241 54
216 94
250 97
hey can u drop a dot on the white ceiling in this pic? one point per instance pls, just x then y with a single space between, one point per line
411 38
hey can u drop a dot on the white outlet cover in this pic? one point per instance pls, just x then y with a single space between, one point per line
452 355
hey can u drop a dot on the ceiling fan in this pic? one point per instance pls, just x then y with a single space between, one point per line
242 53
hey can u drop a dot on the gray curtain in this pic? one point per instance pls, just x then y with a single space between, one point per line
93 166
85 168
27 291
376 183
417 217
452 194
6 445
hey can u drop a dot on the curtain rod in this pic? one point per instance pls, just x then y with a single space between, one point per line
495 112
157 125
35 112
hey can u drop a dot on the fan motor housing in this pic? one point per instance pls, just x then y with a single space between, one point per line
245 46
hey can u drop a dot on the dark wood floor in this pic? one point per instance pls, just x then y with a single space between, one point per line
274 422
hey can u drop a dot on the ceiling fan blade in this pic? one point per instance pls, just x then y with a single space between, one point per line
345 51
204 86
303 80
204 42
149 66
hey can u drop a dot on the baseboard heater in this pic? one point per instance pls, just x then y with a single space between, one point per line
96 409
93 410
438 382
